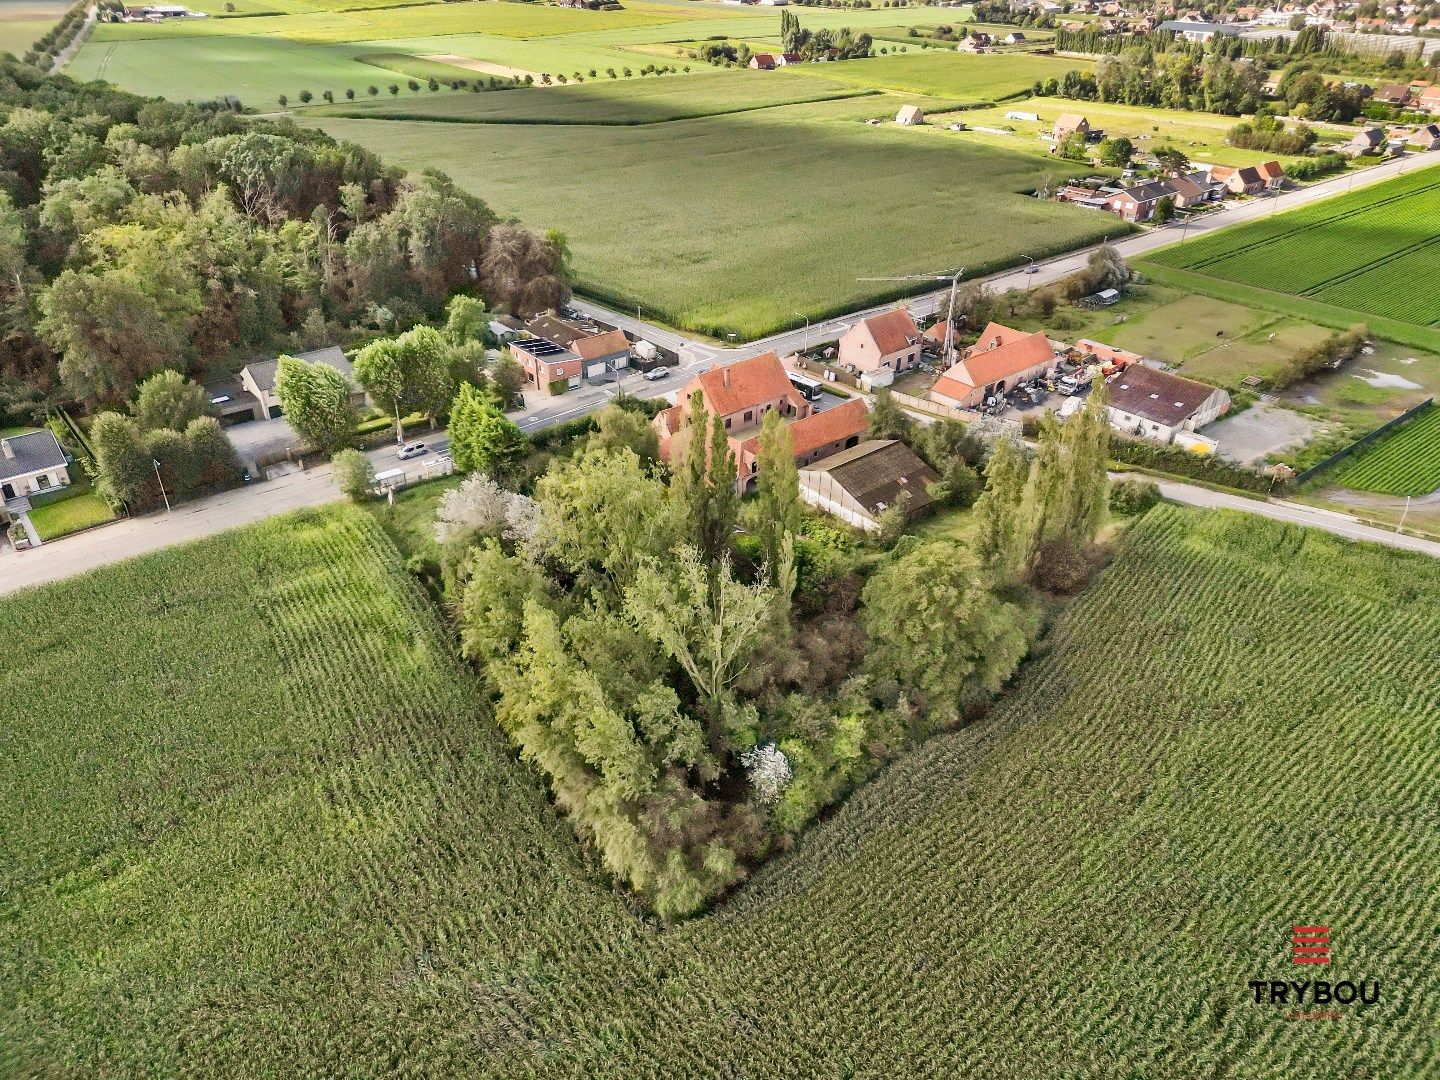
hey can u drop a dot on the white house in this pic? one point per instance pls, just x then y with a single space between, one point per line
31 463
1158 405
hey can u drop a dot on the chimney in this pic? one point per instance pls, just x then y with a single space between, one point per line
996 343
725 375
7 449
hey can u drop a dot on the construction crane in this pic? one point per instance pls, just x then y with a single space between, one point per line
952 276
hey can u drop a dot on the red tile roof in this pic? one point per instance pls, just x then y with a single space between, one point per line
590 348
1271 170
830 426
1107 353
1157 395
951 385
1010 358
996 334
893 331
743 385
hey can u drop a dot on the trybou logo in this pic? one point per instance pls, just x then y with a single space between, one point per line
1311 945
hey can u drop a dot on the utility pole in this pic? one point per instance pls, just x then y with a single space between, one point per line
953 276
806 346
156 463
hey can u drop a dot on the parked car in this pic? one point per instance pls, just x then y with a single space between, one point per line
656 374
411 450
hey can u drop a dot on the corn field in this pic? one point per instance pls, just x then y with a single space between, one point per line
257 822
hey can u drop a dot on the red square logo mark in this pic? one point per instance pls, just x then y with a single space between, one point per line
1310 945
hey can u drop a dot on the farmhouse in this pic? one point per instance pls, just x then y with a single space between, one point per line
549 367
1001 360
1015 37
859 484
1371 140
977 42
250 395
1393 94
31 463
763 61
882 343
910 115
817 436
1159 405
1068 123
740 394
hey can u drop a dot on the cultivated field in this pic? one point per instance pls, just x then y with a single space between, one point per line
732 224
257 823
948 74
1367 253
1405 461
23 21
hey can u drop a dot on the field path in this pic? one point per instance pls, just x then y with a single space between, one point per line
64 55
484 67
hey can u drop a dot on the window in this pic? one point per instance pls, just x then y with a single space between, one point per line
749 415
727 423
41 483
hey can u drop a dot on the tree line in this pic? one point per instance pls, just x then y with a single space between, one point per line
140 235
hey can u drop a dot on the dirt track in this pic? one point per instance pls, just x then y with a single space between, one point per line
482 66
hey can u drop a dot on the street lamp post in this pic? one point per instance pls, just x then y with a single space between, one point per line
805 347
156 463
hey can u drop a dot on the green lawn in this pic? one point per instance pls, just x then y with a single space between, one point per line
298 846
80 511
732 224
606 101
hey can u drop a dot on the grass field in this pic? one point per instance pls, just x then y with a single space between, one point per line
1405 461
296 846
1367 253
23 21
64 516
1201 136
948 74
605 101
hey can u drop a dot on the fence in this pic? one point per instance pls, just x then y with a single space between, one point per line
1362 442
827 372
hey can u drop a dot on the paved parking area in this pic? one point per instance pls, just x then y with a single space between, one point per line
1259 431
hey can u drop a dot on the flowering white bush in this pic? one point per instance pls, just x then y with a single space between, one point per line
481 507
768 771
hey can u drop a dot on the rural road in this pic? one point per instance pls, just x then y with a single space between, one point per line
87 551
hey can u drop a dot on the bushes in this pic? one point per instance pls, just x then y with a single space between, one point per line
1132 495
1328 354
1181 462
1318 165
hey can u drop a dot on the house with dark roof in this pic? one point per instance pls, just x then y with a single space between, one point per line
1159 405
549 367
882 345
859 484
1426 138
30 463
250 395
1000 361
1196 189
1138 203
552 327
1370 140
763 61
1246 181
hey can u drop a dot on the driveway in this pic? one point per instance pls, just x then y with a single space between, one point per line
257 438
1259 431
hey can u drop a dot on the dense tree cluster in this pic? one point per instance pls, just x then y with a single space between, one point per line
697 677
1265 132
808 44
139 235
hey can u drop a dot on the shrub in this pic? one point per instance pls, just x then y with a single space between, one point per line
354 475
1132 495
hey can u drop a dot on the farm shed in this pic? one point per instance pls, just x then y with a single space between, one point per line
860 484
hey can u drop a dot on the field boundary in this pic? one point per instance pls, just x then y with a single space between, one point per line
1364 440
1316 311
344 113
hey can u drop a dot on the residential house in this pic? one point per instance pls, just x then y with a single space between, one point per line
888 343
933 341
786 59
1273 173
740 394
1246 181
859 484
1158 405
763 61
1000 361
977 42
552 327
1138 203
1393 94
549 367
600 353
1427 138
910 115
816 436
1196 189
250 395
1069 123
1370 140
31 463
1014 38
1429 99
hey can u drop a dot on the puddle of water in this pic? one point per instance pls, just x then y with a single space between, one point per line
1382 380
1410 360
